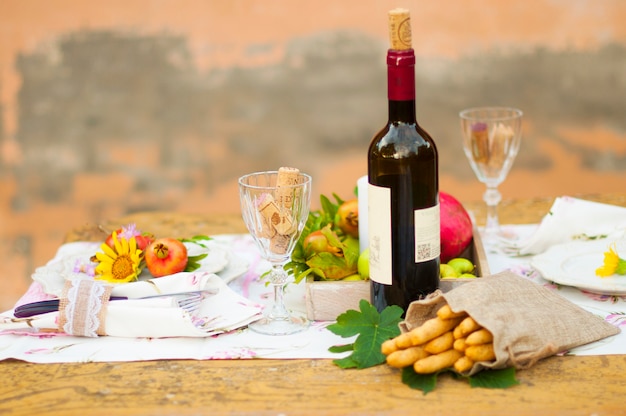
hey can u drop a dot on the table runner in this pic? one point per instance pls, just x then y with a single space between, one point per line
243 344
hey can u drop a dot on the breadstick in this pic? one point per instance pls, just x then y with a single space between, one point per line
434 363
400 342
440 344
406 357
466 326
463 364
459 344
480 336
483 352
431 329
445 312
389 346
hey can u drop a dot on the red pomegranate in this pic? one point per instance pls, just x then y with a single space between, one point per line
456 227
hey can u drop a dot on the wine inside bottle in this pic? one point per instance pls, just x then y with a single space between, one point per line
403 191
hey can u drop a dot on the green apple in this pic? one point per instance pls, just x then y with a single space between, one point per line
352 278
445 270
467 276
363 264
461 265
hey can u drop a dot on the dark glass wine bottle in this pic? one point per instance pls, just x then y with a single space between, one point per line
403 190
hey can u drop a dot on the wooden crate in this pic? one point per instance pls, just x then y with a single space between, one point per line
327 300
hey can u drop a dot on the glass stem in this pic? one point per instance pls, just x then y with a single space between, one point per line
278 279
492 197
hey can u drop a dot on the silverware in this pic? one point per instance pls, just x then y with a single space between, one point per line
189 301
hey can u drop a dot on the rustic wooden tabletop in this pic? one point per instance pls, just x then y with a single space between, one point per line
556 385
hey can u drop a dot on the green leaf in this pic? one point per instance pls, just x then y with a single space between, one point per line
193 262
494 379
329 266
490 379
371 328
424 382
197 239
347 362
341 348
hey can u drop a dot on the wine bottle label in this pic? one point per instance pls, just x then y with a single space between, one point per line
379 225
427 234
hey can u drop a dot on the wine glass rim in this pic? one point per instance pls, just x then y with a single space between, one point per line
495 113
242 180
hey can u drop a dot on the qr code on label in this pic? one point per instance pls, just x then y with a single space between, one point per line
423 251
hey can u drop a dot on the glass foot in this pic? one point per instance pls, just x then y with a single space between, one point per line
273 326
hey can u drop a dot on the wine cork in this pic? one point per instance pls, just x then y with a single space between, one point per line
266 230
286 178
279 221
400 29
500 141
279 244
480 142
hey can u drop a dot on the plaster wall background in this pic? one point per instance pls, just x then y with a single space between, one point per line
108 108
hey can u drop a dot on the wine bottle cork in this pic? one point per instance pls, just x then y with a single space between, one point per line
400 29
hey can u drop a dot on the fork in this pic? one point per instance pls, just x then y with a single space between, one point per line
188 301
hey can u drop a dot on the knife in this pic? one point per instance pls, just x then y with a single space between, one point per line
52 305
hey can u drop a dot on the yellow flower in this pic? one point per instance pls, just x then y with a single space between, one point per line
612 264
120 264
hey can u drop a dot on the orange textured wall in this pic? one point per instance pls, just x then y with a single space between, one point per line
118 106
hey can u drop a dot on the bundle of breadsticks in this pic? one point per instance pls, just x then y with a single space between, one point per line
495 322
451 339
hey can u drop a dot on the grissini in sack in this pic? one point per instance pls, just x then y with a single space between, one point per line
527 321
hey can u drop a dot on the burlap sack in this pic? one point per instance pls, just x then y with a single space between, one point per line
528 321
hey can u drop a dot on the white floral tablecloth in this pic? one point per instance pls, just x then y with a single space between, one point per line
41 347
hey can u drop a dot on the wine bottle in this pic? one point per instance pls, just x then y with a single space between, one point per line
403 189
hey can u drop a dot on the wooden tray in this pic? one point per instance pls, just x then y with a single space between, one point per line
327 300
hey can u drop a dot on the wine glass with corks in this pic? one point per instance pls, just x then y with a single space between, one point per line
275 207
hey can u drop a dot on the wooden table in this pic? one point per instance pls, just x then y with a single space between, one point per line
557 385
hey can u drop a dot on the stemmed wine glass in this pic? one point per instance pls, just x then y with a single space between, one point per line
491 140
275 207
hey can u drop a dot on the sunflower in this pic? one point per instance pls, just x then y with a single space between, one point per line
613 264
120 264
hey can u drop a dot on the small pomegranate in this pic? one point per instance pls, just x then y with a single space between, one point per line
165 256
316 242
348 217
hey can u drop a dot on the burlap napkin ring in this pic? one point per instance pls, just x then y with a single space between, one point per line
83 308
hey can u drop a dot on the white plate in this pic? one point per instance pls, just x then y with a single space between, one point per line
575 264
52 276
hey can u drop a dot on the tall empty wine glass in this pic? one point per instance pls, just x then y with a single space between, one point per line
275 207
491 140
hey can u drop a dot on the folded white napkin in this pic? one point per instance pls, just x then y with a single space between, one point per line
574 219
221 310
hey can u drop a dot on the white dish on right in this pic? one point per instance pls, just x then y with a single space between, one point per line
574 264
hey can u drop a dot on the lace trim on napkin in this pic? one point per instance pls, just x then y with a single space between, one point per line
82 308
